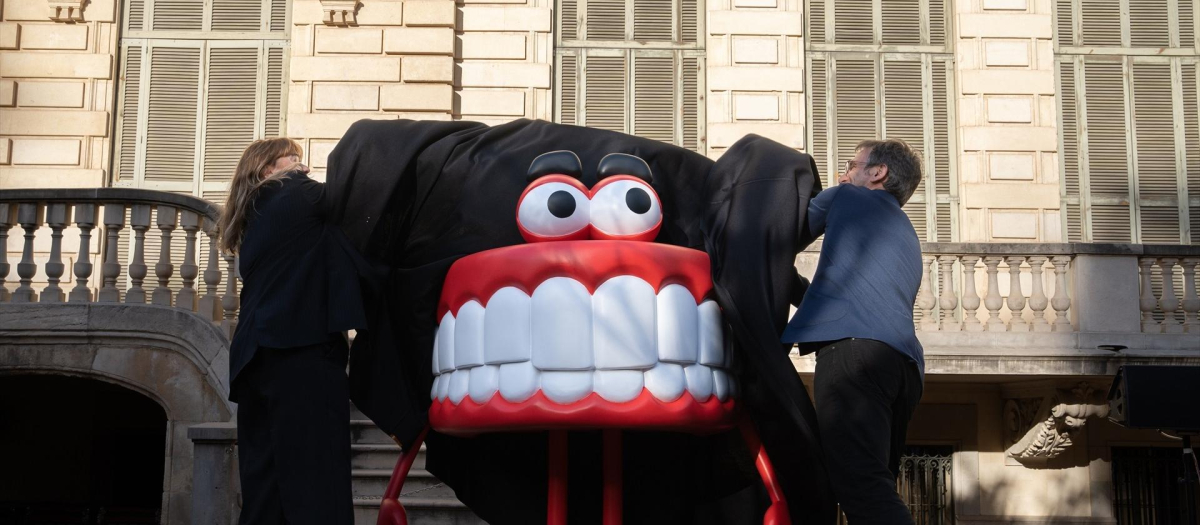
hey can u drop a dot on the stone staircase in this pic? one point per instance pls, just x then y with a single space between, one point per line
373 455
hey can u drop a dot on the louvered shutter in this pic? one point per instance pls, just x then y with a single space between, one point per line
237 15
1187 23
279 12
1148 26
568 19
229 110
171 111
819 138
938 161
1101 22
273 107
568 89
1069 152
605 20
855 103
1191 149
654 97
853 22
1064 28
691 109
937 22
127 129
815 15
135 15
604 92
901 21
178 15
903 118
1107 151
1157 173
689 21
652 20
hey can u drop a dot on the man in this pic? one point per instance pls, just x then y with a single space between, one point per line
857 317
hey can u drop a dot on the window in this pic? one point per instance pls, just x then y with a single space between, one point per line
1128 134
1146 488
925 484
634 66
200 80
885 69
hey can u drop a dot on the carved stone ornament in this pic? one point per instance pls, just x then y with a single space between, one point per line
66 10
1040 429
340 12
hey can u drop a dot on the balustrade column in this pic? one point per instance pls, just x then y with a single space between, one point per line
1147 301
1061 301
1037 296
114 221
993 301
8 217
210 304
1190 303
948 301
970 299
230 301
1016 298
58 216
1169 302
163 269
139 219
86 217
30 217
925 299
190 222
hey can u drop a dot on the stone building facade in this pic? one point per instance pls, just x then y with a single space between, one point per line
1059 137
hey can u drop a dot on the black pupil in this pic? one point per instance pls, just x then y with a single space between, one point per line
561 204
638 200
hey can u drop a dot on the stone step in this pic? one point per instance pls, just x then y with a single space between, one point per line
420 511
379 456
363 431
372 482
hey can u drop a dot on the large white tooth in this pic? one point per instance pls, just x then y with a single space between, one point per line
666 381
623 324
445 339
678 325
712 345
565 387
720 384
619 386
699 381
518 381
506 327
437 338
468 335
437 380
443 387
562 325
460 381
485 381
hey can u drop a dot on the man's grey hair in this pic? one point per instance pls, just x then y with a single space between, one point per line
903 163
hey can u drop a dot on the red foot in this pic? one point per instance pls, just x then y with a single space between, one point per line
391 512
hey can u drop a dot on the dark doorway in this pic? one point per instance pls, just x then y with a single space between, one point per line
1147 487
79 451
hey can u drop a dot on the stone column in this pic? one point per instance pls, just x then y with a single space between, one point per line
214 473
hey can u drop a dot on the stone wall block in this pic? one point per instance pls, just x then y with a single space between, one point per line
748 106
1005 5
723 135
755 50
1007 82
506 19
10 35
382 13
417 97
55 65
354 97
32 94
54 36
501 74
12 178
772 23
349 40
326 125
8 93
429 68
1010 109
5 151
1006 53
995 25
50 122
756 78
1011 166
419 40
42 151
492 46
997 138
376 69
435 13
492 103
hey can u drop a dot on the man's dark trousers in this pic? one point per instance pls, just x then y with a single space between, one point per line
865 394
294 436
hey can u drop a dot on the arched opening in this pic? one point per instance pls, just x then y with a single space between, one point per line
79 450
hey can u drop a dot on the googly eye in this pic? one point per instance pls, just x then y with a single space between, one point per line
624 207
553 209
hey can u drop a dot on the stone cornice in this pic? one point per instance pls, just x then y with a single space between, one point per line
340 12
66 10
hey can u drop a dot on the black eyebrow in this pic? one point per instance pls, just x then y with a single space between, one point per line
624 164
563 162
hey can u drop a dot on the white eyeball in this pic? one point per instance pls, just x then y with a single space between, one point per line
553 209
625 207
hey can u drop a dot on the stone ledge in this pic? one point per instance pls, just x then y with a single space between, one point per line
226 431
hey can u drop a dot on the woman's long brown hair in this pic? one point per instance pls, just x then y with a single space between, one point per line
247 180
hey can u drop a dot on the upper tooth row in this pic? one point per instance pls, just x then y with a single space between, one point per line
516 382
623 326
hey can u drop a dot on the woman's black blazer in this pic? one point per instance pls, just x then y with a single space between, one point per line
300 280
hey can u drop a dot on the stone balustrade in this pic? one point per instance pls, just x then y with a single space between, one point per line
1000 287
149 215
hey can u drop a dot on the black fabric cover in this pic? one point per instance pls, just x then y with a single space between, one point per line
416 196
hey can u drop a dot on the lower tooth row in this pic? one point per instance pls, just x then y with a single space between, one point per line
517 382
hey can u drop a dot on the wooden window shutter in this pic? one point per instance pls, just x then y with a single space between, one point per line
819 128
904 119
1065 22
652 20
901 21
689 21
937 162
654 97
1107 151
1148 25
1069 152
853 22
127 131
273 108
237 15
815 15
1101 22
135 15
178 15
170 150
1187 23
937 22
1154 148
854 106
1191 150
568 89
279 12
568 20
691 103
229 109
604 92
605 20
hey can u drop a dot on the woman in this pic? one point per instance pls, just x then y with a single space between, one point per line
287 363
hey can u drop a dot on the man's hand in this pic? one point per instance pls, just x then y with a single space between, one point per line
798 287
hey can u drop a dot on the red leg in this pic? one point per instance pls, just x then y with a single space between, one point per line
390 510
777 513
612 477
556 479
